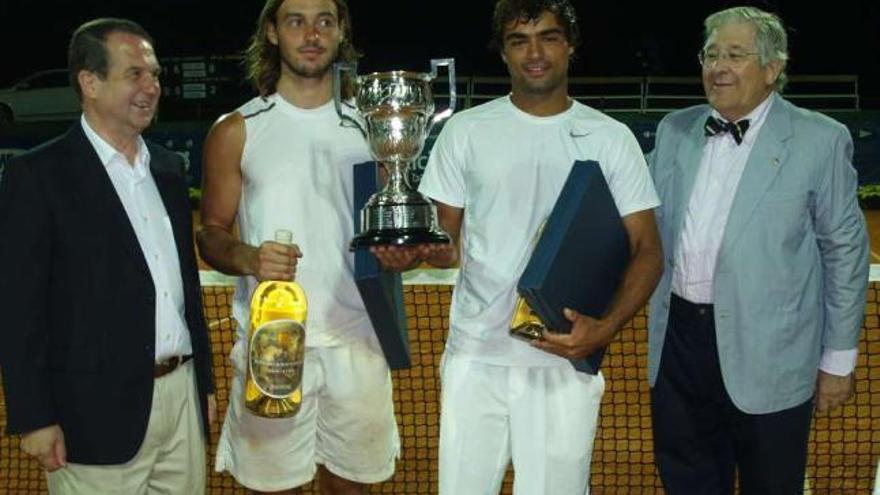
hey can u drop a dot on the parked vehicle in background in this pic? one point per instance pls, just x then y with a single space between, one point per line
42 96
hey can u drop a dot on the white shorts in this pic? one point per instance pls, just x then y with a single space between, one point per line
542 418
346 423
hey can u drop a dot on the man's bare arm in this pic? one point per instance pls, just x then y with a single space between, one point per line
221 190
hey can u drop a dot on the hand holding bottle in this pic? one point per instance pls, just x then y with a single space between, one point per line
276 260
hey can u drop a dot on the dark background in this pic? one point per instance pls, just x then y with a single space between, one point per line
620 38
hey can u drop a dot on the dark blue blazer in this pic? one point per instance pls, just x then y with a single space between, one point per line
77 335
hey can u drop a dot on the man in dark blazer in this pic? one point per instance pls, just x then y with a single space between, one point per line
105 356
756 319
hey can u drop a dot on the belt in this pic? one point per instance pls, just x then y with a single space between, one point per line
162 368
683 305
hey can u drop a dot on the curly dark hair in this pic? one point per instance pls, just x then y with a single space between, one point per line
262 59
507 11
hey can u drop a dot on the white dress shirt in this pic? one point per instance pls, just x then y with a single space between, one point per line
137 191
715 186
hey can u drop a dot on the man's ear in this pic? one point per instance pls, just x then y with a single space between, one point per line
772 71
272 33
89 83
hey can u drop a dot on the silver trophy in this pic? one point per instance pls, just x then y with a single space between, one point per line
395 113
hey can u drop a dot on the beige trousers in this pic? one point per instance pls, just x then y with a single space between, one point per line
171 461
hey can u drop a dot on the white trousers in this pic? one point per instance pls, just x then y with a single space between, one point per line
544 419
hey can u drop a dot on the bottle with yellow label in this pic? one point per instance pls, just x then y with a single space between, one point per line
276 346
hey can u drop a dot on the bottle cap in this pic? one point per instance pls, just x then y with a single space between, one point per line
283 236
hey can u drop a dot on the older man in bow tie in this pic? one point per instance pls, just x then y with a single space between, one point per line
757 317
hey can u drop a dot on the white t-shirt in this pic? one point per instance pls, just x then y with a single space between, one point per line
505 168
297 174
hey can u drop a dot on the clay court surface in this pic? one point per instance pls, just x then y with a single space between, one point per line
843 450
873 218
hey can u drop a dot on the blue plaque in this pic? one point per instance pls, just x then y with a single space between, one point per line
381 291
580 258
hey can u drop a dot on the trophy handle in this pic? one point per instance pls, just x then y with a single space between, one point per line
339 102
449 63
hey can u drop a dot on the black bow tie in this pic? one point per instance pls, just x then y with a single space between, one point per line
736 129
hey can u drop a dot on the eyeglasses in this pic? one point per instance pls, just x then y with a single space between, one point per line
709 58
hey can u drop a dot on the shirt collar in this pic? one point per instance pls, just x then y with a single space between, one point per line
107 153
756 118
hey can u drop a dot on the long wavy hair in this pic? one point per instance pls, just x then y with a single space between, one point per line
262 59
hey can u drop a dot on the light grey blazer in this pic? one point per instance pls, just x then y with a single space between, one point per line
793 266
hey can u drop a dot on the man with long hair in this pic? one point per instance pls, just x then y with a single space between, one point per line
282 161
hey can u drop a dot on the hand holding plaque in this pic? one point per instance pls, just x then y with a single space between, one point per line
578 261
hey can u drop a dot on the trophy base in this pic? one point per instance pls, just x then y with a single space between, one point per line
398 238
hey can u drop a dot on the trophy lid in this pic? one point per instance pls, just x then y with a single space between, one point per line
397 74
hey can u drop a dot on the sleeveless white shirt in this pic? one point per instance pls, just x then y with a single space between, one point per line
297 174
